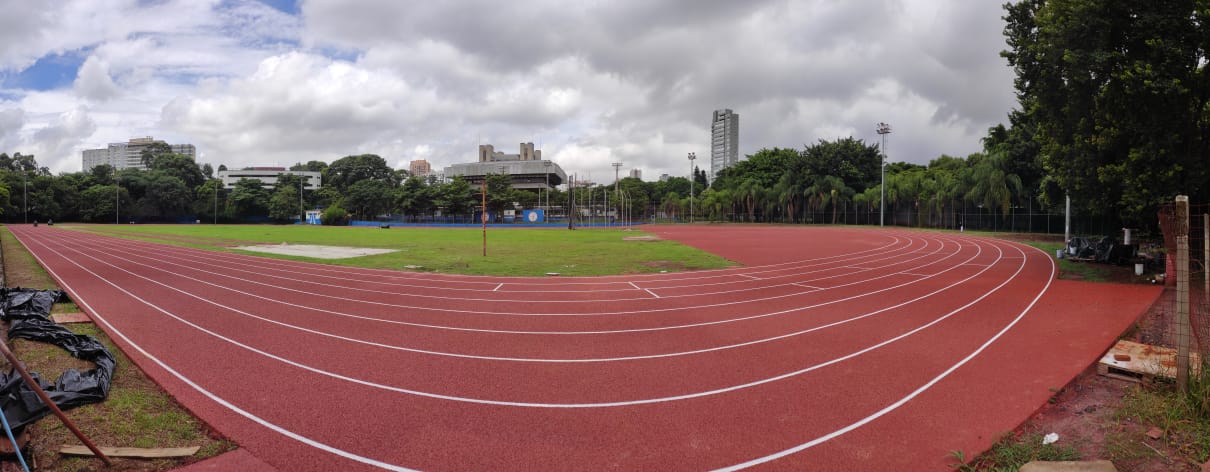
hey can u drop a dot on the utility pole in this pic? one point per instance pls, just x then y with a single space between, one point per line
883 130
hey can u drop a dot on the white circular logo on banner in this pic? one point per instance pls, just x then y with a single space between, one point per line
533 217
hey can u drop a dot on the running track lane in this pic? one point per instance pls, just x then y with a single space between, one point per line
956 351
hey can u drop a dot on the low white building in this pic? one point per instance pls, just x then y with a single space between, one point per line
526 170
268 176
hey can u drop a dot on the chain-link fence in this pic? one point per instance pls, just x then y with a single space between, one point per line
1185 240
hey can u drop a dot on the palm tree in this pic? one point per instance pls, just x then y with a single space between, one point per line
747 194
992 185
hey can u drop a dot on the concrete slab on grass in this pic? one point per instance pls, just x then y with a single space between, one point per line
62 318
316 251
1069 466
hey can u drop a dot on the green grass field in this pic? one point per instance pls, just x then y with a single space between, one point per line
510 251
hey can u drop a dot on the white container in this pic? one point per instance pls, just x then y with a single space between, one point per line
1138 269
1058 253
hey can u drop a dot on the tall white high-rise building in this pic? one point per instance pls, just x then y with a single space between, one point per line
130 154
724 140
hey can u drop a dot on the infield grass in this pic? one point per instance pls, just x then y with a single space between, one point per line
510 251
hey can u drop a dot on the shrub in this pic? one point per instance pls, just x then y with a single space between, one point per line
334 216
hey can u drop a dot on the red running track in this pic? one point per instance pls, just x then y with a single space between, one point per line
832 349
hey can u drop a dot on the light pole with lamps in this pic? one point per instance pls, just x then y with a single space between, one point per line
117 196
547 175
692 156
883 130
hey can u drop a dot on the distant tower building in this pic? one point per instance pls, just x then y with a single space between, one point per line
129 155
724 140
636 174
420 168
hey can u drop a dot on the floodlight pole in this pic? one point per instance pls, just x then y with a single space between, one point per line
117 197
883 130
692 156
216 186
302 208
547 175
484 216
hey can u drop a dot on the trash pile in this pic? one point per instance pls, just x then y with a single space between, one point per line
1105 250
28 313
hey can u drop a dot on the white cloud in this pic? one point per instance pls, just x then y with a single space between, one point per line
93 81
590 83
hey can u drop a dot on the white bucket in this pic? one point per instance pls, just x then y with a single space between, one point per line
1058 253
1138 269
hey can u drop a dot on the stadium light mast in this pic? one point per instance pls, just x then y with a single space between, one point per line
692 156
883 130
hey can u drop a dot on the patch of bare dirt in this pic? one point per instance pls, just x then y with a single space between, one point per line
668 265
1085 413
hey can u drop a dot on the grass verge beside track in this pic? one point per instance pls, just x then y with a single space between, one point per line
510 251
136 414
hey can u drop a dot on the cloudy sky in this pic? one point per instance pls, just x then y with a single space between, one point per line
589 82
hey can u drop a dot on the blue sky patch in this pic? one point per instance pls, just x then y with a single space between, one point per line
287 6
49 73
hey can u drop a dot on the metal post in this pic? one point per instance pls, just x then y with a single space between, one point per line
216 186
25 197
1067 222
117 200
1182 293
883 130
33 385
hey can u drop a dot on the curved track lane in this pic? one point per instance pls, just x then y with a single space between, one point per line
320 367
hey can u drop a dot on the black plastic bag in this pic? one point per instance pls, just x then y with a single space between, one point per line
28 314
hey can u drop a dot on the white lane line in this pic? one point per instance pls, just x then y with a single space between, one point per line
812 287
229 269
749 276
915 274
223 272
567 405
636 287
345 272
96 315
498 287
652 293
266 264
633 330
902 401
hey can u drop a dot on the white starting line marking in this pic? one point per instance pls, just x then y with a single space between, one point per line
498 287
749 276
636 287
652 293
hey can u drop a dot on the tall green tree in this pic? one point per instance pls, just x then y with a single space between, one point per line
368 198
349 170
1117 92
